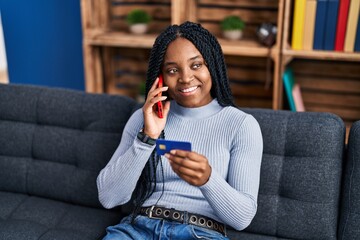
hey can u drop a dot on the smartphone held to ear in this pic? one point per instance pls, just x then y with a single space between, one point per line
159 108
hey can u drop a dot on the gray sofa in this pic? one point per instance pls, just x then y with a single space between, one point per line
53 143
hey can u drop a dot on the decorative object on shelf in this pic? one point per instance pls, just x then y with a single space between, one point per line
138 21
266 34
232 27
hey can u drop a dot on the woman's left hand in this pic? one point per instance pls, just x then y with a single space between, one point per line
192 167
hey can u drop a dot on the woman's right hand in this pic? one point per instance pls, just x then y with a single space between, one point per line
153 125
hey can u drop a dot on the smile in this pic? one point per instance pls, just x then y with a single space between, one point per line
187 90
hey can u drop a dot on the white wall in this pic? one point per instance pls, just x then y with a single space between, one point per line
3 64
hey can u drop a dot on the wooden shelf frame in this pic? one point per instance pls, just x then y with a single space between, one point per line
288 55
98 34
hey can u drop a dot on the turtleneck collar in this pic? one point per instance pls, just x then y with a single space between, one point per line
196 113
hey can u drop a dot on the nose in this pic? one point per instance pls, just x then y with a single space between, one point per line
186 76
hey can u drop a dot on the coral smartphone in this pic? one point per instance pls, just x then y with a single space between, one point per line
164 146
159 108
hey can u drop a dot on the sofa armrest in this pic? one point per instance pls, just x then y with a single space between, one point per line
350 205
301 173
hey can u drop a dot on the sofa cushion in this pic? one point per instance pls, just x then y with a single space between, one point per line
300 175
28 217
350 206
235 235
54 142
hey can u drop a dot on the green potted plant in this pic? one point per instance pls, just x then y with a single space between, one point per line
232 27
141 92
138 21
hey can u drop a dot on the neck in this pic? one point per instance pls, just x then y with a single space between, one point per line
196 113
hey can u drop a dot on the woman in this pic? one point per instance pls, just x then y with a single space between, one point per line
185 194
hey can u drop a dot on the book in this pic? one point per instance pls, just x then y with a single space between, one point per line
288 79
352 26
357 38
293 91
341 24
309 24
330 25
319 34
298 25
298 100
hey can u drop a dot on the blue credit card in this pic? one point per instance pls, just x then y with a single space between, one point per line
164 146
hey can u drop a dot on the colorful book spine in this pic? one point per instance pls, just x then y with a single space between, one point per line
298 99
321 8
352 26
310 12
288 79
357 38
330 26
341 24
298 25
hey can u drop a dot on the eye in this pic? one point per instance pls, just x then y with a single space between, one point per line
172 70
196 65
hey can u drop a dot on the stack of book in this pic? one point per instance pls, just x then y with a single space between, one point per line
326 25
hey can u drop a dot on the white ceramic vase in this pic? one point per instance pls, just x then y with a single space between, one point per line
139 28
233 34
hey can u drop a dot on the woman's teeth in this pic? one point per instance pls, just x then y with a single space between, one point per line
188 89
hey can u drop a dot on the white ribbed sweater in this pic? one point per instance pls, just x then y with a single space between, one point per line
229 138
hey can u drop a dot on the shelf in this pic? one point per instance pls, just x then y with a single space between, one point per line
242 47
322 55
245 47
121 39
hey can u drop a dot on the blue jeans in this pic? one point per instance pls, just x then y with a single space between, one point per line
147 228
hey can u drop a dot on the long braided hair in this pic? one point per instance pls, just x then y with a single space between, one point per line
211 51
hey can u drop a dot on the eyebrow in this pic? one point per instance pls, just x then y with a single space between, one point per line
190 59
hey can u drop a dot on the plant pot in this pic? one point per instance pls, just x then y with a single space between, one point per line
233 34
139 28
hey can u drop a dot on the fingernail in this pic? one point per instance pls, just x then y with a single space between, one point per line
163 98
165 88
173 151
167 155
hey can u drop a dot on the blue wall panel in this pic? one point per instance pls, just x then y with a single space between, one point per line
43 41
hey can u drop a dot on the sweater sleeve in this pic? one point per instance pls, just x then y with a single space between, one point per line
235 200
118 179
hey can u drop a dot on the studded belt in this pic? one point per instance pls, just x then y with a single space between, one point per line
171 214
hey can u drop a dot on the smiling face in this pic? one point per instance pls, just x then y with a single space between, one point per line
186 74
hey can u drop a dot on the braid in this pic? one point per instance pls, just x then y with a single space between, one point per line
211 50
147 182
157 55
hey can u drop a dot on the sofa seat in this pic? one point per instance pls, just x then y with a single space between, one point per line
30 217
235 235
